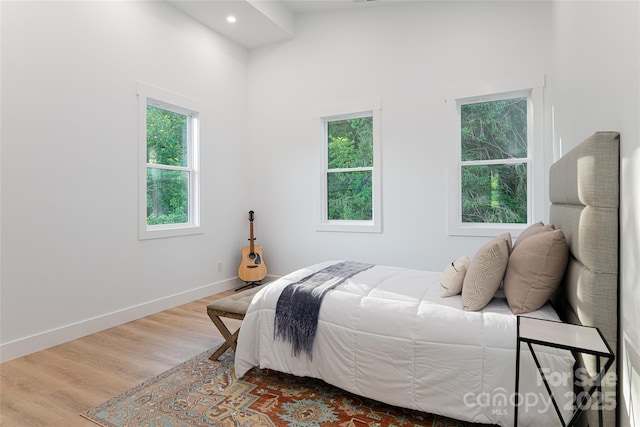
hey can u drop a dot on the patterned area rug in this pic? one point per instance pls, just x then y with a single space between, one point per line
201 392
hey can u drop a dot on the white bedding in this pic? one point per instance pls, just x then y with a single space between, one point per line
386 334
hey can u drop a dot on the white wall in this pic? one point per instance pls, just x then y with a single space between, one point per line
406 55
596 86
71 259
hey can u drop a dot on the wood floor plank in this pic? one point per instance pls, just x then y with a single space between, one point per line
52 387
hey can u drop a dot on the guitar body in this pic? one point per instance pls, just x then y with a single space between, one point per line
252 267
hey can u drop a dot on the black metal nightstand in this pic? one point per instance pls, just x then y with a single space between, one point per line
577 339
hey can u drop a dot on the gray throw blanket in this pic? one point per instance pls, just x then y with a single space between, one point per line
299 304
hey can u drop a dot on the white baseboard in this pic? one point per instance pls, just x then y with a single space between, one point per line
43 340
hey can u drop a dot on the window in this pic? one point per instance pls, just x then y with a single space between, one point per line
494 161
169 136
351 168
497 178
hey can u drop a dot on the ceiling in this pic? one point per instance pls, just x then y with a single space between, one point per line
260 22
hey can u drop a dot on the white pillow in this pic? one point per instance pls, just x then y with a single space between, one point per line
453 276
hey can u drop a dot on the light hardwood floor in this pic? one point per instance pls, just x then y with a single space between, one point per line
52 387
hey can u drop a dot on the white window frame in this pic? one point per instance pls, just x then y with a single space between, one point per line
166 100
532 88
370 108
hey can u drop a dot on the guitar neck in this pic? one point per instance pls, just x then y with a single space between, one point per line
251 238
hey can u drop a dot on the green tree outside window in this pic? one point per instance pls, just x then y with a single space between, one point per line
494 161
167 188
350 169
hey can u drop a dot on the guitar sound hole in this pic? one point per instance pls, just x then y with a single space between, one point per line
252 256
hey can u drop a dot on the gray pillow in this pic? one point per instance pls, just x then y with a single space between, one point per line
485 273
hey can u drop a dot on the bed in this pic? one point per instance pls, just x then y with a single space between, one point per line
386 332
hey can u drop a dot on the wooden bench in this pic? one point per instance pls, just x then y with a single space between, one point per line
233 307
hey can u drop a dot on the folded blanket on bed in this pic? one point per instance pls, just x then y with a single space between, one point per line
299 303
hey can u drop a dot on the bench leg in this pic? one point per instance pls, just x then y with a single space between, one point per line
229 338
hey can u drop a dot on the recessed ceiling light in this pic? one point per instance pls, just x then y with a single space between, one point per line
231 19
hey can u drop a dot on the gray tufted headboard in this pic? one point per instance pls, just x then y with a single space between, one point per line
584 193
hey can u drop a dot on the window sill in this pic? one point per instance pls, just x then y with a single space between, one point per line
164 232
486 230
350 227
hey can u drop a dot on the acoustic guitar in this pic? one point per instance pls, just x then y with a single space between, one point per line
252 267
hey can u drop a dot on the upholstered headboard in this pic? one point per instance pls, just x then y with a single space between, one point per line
584 193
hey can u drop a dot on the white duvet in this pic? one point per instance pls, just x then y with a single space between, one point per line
386 334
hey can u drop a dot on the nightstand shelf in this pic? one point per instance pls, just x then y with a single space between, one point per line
577 339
